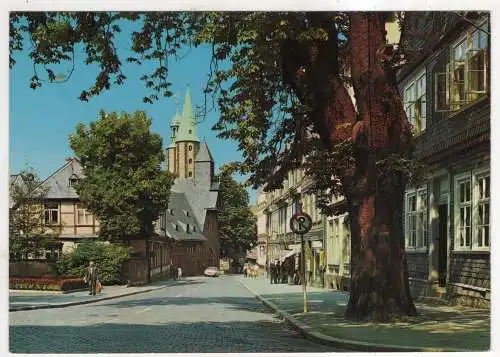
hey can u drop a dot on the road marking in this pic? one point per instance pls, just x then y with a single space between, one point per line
144 310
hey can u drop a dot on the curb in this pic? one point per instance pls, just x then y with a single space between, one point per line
83 302
348 345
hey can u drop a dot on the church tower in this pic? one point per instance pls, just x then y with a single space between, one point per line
184 144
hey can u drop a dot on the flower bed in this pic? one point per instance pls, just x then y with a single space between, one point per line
52 284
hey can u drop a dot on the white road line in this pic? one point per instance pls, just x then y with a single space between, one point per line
144 310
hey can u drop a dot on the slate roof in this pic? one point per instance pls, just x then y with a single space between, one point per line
204 154
200 197
58 182
180 214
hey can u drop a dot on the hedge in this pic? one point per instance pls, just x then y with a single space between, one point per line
46 284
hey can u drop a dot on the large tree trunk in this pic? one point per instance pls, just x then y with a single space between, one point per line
379 278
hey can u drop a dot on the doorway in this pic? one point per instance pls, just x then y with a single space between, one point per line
442 244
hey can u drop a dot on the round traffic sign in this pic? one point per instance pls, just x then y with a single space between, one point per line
300 223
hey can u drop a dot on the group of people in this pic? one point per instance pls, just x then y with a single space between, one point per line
176 272
280 272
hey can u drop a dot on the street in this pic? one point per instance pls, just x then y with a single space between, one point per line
202 315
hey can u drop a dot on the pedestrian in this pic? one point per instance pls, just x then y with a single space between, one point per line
277 275
271 272
179 273
245 271
91 277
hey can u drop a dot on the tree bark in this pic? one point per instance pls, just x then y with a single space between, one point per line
379 274
379 277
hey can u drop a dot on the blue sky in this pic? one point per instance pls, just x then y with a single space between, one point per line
41 120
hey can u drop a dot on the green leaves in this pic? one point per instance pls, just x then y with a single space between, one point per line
28 233
108 257
124 186
237 224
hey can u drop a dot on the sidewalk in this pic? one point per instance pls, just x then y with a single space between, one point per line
438 327
21 300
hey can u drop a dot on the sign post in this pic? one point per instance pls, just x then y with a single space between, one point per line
301 223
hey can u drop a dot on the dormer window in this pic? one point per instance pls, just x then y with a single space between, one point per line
190 131
187 228
171 211
73 181
194 228
177 227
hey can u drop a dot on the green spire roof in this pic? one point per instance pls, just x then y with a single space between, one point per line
187 124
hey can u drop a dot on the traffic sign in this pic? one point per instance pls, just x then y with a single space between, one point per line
300 223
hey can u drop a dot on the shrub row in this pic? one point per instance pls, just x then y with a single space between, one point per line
46 284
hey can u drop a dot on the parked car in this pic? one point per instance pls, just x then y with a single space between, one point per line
211 271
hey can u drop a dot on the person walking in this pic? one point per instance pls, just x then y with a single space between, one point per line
277 275
271 272
92 277
179 273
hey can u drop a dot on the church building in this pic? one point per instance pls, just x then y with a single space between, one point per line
190 221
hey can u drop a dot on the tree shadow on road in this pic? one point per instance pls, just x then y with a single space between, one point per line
197 337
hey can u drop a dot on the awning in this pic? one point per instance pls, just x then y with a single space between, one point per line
317 244
289 253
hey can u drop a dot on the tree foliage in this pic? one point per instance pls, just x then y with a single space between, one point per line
28 233
237 224
108 257
125 186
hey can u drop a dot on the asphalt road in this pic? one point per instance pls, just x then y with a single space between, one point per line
202 315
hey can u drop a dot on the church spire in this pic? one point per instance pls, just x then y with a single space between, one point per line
187 125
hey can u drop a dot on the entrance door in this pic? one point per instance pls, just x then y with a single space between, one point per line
443 243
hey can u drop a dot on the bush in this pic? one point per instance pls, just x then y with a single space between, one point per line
46 284
108 257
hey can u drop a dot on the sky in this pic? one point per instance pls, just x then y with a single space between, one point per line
41 120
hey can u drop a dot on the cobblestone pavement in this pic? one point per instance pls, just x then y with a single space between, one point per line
202 315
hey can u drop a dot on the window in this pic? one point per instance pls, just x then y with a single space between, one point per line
347 241
466 77
190 161
51 214
330 246
190 131
472 210
190 174
464 202
416 219
187 229
190 147
84 217
73 181
415 103
483 211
